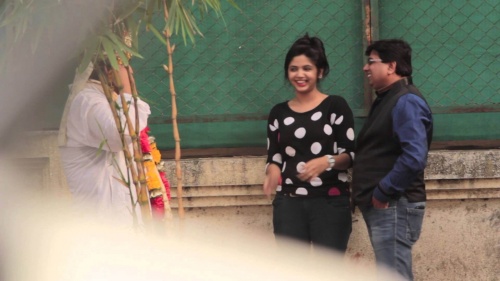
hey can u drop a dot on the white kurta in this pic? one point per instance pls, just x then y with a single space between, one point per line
93 168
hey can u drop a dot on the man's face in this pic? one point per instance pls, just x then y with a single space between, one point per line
377 72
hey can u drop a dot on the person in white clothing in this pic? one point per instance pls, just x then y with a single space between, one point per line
91 149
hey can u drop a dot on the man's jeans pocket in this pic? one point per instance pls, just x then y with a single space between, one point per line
415 217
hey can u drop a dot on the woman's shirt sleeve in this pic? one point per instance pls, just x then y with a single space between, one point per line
273 137
343 125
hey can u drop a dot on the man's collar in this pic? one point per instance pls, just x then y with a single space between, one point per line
95 81
398 84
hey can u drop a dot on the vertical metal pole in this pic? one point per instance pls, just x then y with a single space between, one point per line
370 34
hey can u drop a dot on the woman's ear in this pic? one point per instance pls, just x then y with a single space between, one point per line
320 74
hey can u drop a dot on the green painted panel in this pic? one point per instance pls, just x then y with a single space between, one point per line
467 126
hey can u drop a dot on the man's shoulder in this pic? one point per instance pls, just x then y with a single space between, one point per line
91 91
412 100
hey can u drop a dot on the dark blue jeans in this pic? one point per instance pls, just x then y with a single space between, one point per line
393 231
324 221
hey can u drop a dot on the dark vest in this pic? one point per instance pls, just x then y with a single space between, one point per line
377 148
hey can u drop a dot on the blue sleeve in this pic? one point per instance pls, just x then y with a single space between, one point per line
412 122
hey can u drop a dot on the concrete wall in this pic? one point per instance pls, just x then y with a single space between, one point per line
461 233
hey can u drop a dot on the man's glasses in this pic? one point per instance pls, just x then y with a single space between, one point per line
371 61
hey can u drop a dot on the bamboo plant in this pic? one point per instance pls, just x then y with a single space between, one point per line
178 15
105 40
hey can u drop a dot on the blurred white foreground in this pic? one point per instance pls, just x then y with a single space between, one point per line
40 240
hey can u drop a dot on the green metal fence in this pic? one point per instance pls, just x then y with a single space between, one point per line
229 80
457 51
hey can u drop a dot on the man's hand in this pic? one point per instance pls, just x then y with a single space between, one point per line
379 205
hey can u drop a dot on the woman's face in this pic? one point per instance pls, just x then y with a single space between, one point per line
303 74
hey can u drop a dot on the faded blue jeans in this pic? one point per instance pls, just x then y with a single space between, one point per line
393 231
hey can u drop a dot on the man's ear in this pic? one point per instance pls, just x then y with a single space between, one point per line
392 68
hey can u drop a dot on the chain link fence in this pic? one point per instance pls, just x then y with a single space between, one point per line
456 48
227 82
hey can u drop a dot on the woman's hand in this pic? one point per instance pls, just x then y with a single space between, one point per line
313 168
273 174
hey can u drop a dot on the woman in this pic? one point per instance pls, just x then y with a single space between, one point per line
310 144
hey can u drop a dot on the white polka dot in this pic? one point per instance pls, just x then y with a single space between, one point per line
316 181
288 181
328 169
290 151
327 129
316 148
288 121
300 167
268 143
341 150
278 188
339 120
284 166
316 116
332 118
277 158
300 133
350 134
343 177
276 124
352 156
335 148
301 191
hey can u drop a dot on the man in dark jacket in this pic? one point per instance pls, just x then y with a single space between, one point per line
391 155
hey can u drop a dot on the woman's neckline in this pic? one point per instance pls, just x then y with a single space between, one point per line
307 111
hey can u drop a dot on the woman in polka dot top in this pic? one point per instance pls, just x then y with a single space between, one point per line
310 146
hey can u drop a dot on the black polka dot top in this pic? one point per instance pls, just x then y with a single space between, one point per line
294 138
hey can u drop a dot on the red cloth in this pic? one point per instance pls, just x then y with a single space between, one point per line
145 147
164 179
158 207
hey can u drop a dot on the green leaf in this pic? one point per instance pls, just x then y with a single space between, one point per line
122 181
110 51
118 51
89 52
120 45
157 34
101 145
133 25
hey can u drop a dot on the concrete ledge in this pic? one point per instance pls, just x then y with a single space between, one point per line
471 174
463 164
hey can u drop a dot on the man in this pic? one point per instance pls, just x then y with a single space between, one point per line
391 155
91 148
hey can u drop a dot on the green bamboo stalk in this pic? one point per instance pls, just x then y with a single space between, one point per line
170 71
128 159
137 170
